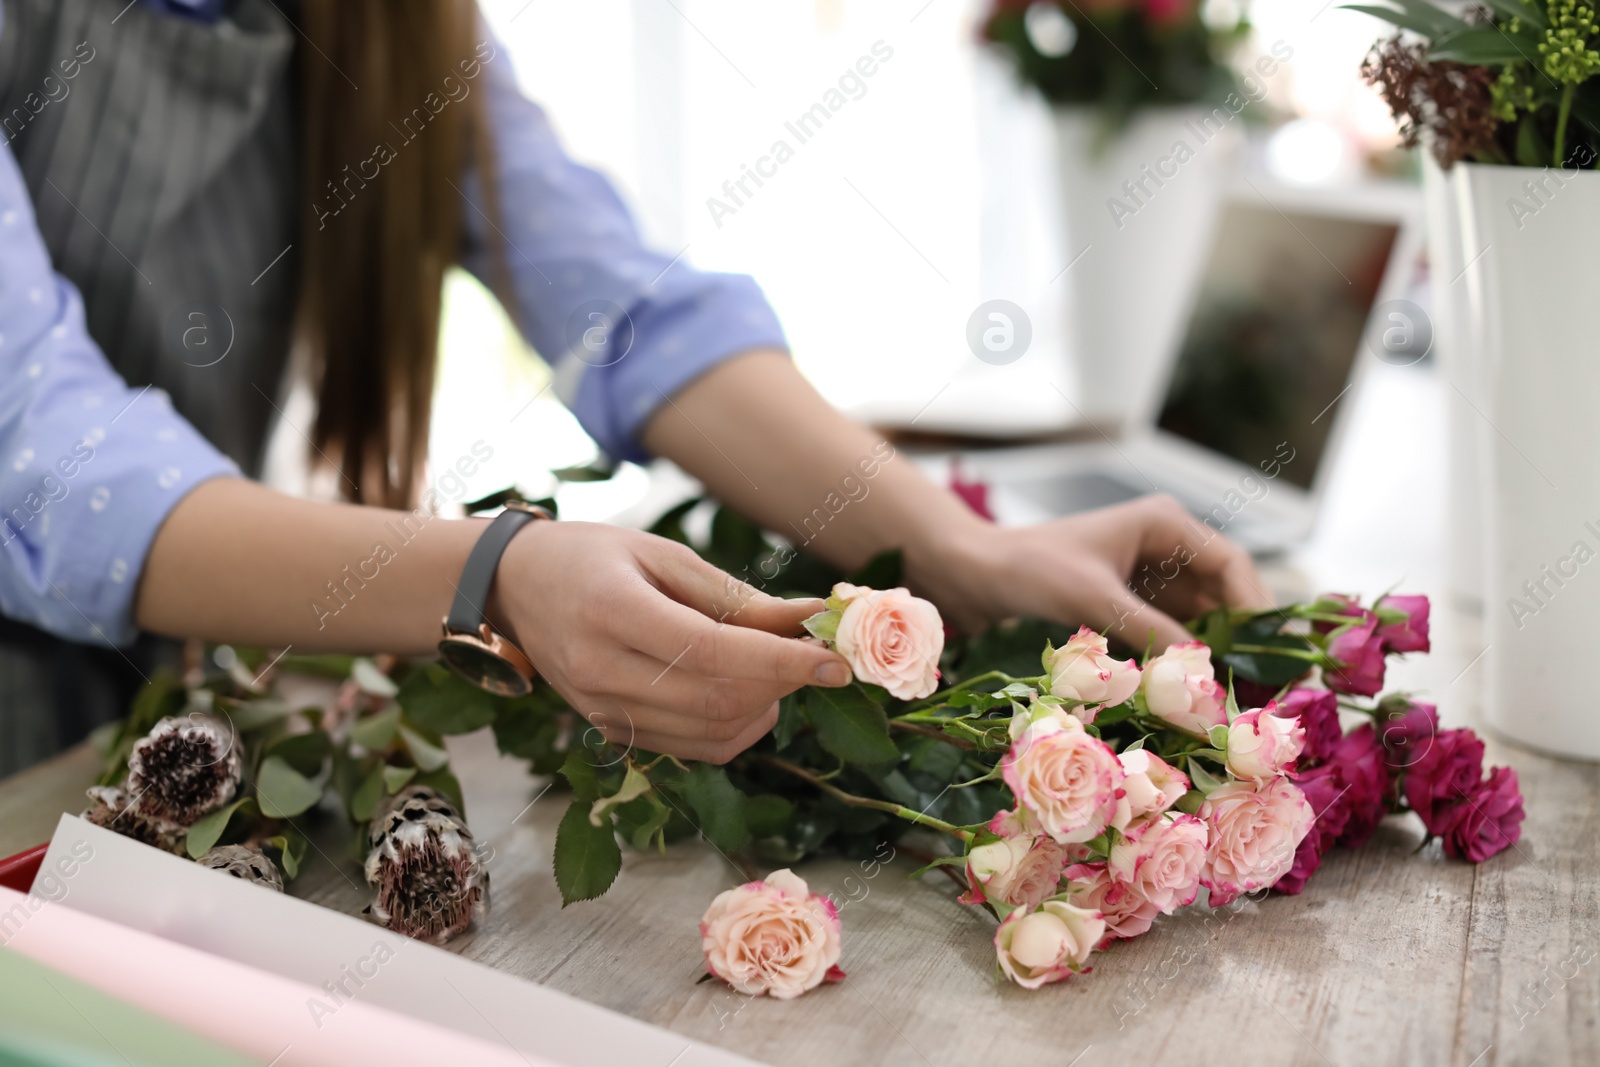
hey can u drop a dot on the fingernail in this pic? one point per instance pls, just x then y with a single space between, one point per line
834 674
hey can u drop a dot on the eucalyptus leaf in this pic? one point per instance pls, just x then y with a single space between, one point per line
208 830
283 792
364 801
395 778
437 698
306 753
376 732
372 680
426 754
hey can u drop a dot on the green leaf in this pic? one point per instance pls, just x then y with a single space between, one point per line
1419 18
292 848
850 726
376 732
208 830
306 753
437 698
670 525
371 679
1201 778
718 806
824 625
1218 735
582 777
942 861
635 784
767 815
395 778
587 857
1483 46
886 570
424 753
1190 802
529 728
283 792
1531 148
588 473
364 801
792 719
248 716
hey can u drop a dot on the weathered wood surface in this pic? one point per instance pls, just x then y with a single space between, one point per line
1388 957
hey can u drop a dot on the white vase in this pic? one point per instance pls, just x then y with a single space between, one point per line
1137 209
1530 285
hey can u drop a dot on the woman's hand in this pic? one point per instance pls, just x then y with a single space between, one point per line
1133 570
655 647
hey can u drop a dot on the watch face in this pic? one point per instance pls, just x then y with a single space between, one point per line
481 667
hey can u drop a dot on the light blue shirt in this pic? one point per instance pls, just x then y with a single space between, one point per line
90 466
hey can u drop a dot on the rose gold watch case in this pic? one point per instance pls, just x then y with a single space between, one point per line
492 644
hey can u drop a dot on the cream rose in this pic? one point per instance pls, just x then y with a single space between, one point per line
1047 944
1066 780
1253 831
1180 687
774 937
1125 912
1019 871
1081 669
1262 744
1162 862
1150 785
890 638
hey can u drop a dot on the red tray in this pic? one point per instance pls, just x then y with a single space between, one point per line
17 872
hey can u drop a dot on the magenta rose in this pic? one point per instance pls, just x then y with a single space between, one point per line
1488 821
1125 913
1360 655
1404 623
1408 729
1447 772
1326 794
1359 762
1318 712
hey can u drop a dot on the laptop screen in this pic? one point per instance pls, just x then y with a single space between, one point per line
1274 333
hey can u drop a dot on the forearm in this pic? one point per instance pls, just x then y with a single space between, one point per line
763 440
238 562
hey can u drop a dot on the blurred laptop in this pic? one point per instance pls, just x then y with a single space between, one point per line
1243 420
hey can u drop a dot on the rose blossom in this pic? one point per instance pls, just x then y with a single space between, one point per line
1488 821
1255 829
1408 729
1443 775
1359 761
1410 634
1017 870
890 638
1150 785
1328 799
1262 744
1035 947
1081 669
1065 779
774 936
1162 863
1180 687
1360 653
1125 913
1318 712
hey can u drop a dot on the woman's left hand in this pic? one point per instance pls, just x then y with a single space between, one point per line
1131 570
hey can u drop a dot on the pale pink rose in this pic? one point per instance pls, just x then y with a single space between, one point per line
1064 779
1254 829
1125 913
1047 944
1162 862
890 638
1082 670
1263 744
1018 870
1180 687
774 937
1149 785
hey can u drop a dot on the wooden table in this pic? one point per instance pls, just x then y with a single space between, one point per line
1388 957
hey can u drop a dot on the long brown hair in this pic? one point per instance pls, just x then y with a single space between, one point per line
376 96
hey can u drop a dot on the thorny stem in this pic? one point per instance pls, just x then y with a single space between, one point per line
898 810
928 731
943 695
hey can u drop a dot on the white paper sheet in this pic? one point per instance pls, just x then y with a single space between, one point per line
145 889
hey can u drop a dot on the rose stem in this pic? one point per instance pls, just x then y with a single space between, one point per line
892 808
928 731
1288 653
942 695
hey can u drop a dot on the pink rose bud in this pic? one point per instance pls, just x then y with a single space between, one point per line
1255 829
1410 633
1081 669
1066 780
1360 654
1047 944
1263 745
1163 862
1018 871
773 937
890 638
1125 913
1488 820
1180 687
1149 786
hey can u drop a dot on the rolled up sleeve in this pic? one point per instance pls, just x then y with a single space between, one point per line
622 326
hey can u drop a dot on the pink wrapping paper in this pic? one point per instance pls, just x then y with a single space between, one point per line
260 1015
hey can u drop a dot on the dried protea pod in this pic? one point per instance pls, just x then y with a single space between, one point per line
113 808
184 768
244 862
426 879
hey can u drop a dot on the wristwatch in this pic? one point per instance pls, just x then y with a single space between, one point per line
470 646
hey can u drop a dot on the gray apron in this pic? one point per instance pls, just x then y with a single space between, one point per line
163 177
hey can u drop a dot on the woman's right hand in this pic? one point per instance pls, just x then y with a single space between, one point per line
655 647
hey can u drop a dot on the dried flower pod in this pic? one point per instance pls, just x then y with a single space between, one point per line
244 862
184 768
427 881
113 809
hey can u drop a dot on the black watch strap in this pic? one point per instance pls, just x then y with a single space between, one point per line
472 592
